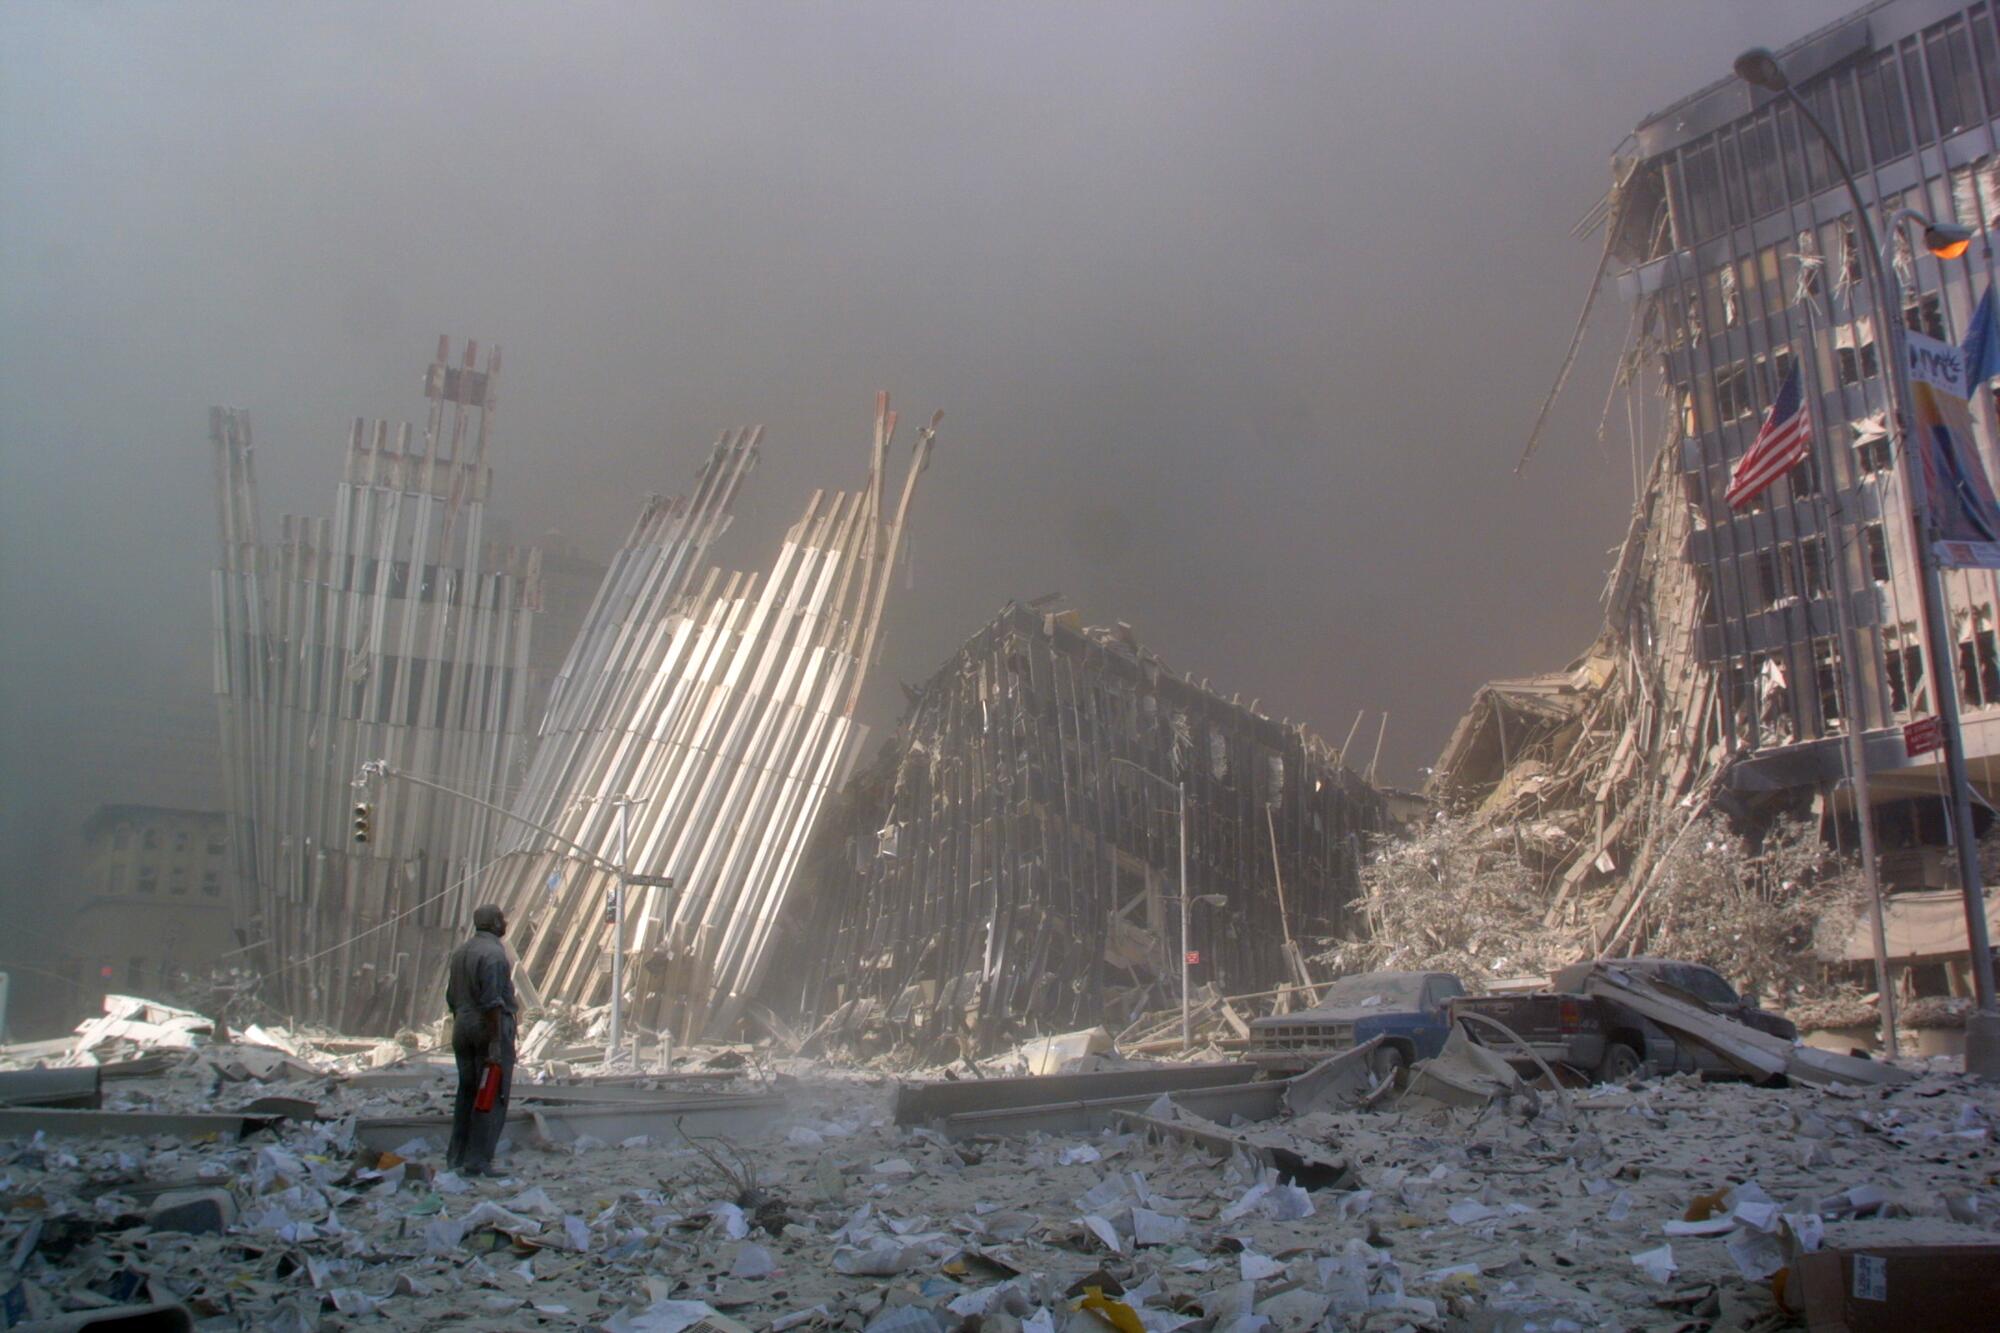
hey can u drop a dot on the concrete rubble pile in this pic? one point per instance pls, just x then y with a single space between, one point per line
1136 1199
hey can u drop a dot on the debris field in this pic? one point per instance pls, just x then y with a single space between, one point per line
751 1189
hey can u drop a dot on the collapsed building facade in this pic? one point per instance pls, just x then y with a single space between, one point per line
694 731
1010 863
389 631
1723 680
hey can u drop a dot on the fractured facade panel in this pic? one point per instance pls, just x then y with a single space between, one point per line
1003 867
388 631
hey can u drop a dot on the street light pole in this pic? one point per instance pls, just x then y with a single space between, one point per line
1760 68
617 1033
1180 808
1187 1020
379 768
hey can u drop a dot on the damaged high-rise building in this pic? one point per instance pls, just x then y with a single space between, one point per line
392 631
1725 678
1011 861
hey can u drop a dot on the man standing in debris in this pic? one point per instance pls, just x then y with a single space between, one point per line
479 992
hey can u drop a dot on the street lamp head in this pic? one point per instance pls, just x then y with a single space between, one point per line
1947 240
1759 68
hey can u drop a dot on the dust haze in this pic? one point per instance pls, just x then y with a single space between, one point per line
1238 315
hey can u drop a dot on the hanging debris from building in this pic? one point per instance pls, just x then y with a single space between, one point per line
693 734
389 631
1010 862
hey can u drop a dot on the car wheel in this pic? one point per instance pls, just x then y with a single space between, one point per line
1386 1062
1620 1063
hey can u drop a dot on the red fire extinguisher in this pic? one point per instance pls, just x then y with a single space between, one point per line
489 1088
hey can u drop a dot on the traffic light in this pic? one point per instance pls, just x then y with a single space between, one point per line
364 818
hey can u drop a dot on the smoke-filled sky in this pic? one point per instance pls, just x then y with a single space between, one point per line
1239 315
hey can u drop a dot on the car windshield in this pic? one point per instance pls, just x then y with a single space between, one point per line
1704 984
1373 990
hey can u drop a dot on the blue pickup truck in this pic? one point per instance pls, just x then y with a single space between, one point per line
1406 1009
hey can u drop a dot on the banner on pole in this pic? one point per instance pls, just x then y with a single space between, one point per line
1964 514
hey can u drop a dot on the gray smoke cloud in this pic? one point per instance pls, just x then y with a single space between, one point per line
1239 315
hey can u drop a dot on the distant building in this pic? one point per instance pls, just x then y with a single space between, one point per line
154 900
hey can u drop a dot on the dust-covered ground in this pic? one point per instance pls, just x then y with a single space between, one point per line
1566 1215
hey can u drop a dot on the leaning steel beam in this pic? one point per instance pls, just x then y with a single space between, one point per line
921 1103
1252 1101
663 1120
722 707
77 1089
21 1122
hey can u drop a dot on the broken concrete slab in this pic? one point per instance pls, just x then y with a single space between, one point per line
1048 1055
1308 1170
1463 1074
198 1212
1342 1081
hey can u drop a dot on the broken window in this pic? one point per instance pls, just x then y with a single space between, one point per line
1770 577
216 844
1975 192
177 881
1925 314
1850 256
211 884
1218 755
1804 477
1828 679
150 840
1854 351
1871 451
149 879
1877 544
122 839
1903 669
1979 671
1812 562
1732 393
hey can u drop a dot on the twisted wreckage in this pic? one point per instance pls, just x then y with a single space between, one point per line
1007 863
690 737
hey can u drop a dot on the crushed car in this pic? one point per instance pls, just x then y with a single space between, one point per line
1607 1041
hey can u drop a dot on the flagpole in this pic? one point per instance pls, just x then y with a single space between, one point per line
1854 749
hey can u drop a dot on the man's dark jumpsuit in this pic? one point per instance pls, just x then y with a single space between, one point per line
480 980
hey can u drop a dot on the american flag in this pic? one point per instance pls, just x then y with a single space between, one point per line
1784 441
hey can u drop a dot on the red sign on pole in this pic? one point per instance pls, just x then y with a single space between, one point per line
1923 736
1193 957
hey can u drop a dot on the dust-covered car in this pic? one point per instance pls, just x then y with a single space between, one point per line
1405 1009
